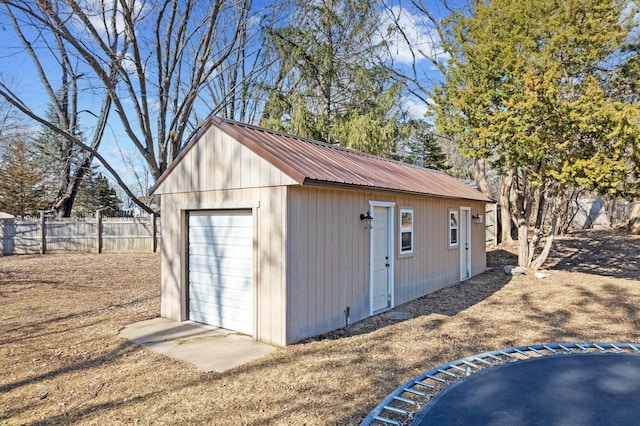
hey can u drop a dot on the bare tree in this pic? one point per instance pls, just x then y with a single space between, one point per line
10 122
239 88
151 60
64 114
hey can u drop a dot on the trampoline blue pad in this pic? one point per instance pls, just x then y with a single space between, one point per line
573 389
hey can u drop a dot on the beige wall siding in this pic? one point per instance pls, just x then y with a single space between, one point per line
268 205
328 255
220 162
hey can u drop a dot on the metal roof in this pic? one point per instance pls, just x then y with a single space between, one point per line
310 162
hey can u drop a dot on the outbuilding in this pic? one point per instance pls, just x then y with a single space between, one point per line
284 238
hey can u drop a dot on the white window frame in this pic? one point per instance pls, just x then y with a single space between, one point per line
401 231
455 215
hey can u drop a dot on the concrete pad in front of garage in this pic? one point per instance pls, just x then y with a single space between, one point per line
208 348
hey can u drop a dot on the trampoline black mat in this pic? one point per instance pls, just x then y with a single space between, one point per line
585 383
575 389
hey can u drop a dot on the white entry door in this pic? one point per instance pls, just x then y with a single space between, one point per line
465 243
221 269
381 259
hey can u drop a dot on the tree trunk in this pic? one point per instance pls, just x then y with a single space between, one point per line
537 228
480 175
523 231
537 263
522 205
523 244
63 207
567 215
634 220
505 209
69 187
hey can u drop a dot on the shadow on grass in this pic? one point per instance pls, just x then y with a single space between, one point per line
612 253
118 352
36 329
86 411
88 365
447 301
21 281
375 367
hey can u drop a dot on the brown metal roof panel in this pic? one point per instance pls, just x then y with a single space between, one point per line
307 160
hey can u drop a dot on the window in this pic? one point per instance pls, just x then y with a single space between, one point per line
453 228
406 231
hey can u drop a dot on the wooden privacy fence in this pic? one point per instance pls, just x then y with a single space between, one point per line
97 235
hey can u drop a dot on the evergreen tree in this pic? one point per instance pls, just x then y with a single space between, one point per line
525 89
332 85
95 193
63 165
421 146
20 181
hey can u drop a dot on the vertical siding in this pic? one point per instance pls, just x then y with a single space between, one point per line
268 205
328 255
170 262
270 295
307 294
220 173
219 162
433 264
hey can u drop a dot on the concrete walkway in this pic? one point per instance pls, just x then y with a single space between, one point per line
208 348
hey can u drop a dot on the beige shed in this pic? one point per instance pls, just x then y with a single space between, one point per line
284 238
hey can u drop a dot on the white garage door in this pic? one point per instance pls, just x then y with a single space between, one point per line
221 269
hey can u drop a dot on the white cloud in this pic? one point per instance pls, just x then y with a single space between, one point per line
406 33
129 64
416 108
100 14
116 151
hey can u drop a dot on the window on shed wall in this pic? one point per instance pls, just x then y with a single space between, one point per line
406 231
453 228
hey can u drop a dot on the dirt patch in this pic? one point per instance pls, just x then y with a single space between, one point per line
62 361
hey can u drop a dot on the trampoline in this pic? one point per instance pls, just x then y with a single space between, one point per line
552 384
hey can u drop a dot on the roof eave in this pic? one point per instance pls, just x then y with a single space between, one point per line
340 185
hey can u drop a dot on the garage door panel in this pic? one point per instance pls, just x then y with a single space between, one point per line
219 284
206 233
233 251
236 301
221 269
222 219
204 256
242 266
206 307
234 319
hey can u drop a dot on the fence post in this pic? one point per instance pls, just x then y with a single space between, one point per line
99 231
43 232
154 232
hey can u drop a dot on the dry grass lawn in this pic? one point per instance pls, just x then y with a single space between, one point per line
62 362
